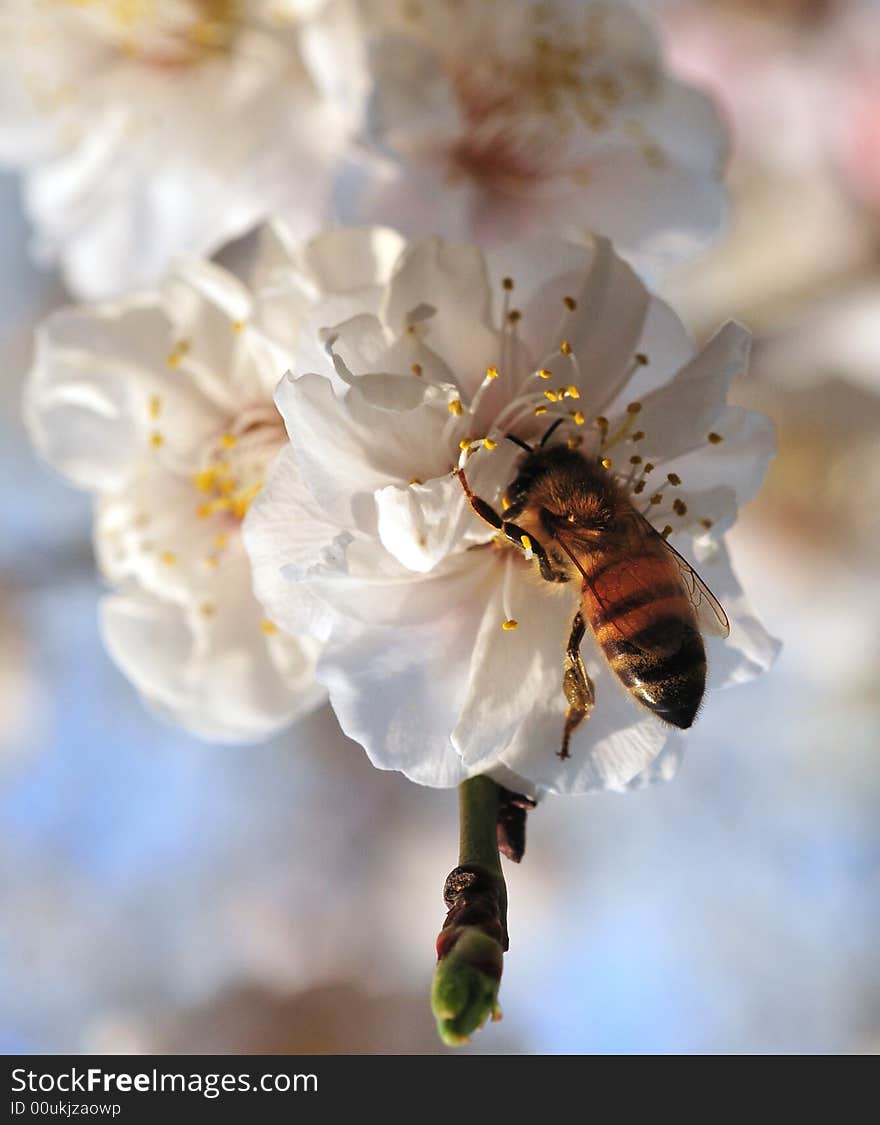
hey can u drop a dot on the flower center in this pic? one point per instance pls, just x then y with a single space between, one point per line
520 108
234 464
164 33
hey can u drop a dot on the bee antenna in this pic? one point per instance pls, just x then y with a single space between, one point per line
550 432
519 442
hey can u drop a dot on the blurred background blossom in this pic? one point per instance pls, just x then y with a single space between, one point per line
161 894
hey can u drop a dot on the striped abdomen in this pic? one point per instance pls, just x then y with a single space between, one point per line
645 625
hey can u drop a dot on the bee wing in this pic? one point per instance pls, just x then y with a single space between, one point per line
710 615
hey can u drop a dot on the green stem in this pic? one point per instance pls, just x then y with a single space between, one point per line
479 802
473 940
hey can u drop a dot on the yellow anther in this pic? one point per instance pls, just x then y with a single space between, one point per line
205 510
268 627
641 359
505 503
465 443
639 488
706 523
565 347
634 408
674 479
638 436
635 460
605 462
414 480
492 372
212 562
238 326
416 369
602 423
509 625
649 467
575 442
167 558
155 407
220 540
667 531
157 440
551 396
228 441
570 303
455 407
526 542
680 508
572 391
205 480
657 498
545 374
173 359
578 418
507 283
206 609
514 315
489 444
715 439
539 410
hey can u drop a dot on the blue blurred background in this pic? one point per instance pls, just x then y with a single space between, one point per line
164 895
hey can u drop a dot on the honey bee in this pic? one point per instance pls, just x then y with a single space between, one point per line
644 603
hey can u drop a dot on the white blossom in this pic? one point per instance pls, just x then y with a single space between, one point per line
364 538
148 128
161 406
506 118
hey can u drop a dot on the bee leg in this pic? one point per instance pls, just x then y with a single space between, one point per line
484 510
512 531
576 684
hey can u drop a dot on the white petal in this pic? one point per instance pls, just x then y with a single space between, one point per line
453 279
739 463
396 690
678 417
749 650
346 448
604 329
100 388
227 687
416 522
285 529
367 584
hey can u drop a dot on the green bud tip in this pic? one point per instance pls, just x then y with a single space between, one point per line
466 982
